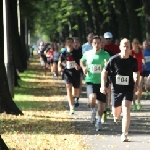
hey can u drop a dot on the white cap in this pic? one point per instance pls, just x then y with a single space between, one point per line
108 35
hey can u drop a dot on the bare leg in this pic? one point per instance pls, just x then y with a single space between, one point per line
69 94
100 108
126 105
116 112
139 92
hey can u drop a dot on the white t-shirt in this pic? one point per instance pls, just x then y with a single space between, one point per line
40 48
56 55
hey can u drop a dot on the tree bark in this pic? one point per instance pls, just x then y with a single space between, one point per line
146 4
134 21
122 18
6 103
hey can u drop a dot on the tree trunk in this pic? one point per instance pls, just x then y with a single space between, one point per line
18 58
146 4
122 18
134 21
6 103
90 25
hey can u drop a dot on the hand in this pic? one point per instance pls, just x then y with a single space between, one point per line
85 70
136 88
60 69
77 67
103 90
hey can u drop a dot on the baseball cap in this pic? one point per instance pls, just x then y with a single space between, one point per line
108 35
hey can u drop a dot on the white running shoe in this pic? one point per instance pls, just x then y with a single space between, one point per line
71 111
98 126
124 138
93 118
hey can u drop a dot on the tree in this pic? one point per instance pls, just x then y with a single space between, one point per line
6 103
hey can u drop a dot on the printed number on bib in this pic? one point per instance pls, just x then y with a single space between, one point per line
70 64
122 80
147 58
95 68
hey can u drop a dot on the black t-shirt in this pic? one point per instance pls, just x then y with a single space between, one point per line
69 59
121 72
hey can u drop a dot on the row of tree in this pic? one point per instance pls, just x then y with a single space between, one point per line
63 18
60 19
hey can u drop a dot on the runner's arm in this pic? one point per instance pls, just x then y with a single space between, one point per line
83 66
136 77
104 75
59 66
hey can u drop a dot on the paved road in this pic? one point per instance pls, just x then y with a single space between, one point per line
109 137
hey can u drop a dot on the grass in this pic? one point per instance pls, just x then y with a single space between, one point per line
45 124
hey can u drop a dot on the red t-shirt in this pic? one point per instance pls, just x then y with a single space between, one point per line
139 57
113 48
50 52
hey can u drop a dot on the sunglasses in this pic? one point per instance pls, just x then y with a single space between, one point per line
108 38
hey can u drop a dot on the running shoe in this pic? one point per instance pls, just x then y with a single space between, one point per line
76 102
124 138
104 118
139 106
115 120
146 94
108 111
98 126
93 118
134 107
71 111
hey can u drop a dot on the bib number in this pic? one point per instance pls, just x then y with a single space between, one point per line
95 68
147 58
122 80
70 64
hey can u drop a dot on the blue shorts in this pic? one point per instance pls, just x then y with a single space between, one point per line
146 73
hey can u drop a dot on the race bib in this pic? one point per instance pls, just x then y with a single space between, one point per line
95 68
122 80
70 64
147 58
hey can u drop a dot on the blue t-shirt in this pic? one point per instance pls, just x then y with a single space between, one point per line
86 47
147 58
63 49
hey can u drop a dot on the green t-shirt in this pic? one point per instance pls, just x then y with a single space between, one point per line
95 64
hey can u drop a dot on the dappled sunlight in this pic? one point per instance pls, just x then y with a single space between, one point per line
45 124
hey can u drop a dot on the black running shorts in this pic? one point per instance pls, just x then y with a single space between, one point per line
117 97
73 79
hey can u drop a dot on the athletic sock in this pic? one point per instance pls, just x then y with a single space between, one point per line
93 110
99 119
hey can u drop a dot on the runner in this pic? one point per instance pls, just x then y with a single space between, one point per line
56 55
146 68
92 64
112 49
137 53
123 70
78 48
88 46
49 55
43 59
70 60
106 109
